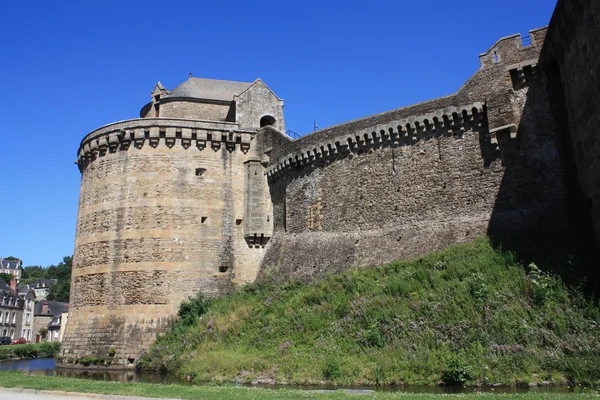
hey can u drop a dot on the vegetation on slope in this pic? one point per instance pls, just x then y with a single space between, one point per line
29 350
467 315
62 273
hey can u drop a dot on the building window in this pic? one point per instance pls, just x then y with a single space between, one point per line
27 318
267 120
14 317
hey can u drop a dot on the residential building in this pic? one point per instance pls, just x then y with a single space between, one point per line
16 310
41 287
11 266
49 315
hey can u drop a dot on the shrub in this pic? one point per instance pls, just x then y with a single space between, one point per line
457 371
26 351
48 349
331 369
190 310
374 338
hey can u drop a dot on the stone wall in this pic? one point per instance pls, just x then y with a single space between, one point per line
571 59
160 218
170 207
256 102
180 108
416 179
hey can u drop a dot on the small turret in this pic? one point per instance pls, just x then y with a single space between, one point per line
157 94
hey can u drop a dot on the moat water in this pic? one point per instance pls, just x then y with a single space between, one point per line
47 367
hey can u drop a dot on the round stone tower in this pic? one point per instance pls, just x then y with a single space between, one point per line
171 204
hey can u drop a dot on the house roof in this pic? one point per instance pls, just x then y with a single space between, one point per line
4 286
211 89
42 283
23 289
54 308
10 264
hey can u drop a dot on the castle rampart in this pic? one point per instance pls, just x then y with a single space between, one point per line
169 207
571 55
327 146
415 179
205 191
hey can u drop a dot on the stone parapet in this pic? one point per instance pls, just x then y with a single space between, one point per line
449 121
170 132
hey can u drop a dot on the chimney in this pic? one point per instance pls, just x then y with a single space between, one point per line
13 284
45 307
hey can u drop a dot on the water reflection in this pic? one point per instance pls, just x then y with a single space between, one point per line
47 367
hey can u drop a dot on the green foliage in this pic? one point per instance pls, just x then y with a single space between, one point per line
468 314
30 350
458 371
43 331
227 392
332 369
62 272
6 277
60 291
47 350
87 361
192 309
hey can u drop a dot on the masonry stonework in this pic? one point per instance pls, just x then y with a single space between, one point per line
161 217
205 192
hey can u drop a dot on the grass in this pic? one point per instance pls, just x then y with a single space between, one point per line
29 350
22 381
467 315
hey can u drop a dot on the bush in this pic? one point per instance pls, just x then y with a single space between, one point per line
190 310
26 351
457 371
374 338
48 349
331 369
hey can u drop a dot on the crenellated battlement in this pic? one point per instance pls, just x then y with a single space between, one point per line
170 132
449 121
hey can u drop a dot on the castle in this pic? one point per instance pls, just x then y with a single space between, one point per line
205 191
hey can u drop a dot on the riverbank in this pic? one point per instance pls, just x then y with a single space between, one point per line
29 350
469 315
14 380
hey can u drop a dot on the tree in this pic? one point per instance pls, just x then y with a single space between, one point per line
60 291
6 277
33 273
43 332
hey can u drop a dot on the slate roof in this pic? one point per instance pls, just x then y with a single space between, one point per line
22 289
54 308
211 89
4 286
42 283
10 264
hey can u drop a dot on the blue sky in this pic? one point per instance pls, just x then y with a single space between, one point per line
69 67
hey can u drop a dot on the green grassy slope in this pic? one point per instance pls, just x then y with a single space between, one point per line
469 314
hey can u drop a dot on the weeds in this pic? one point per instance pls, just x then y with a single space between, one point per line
469 314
